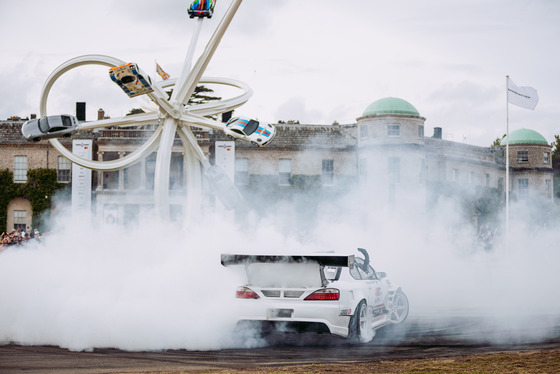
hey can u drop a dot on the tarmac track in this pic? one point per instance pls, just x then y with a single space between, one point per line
416 339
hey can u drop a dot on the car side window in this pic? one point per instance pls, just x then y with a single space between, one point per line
44 124
358 272
66 121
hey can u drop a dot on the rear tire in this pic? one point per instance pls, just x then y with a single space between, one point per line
360 331
399 308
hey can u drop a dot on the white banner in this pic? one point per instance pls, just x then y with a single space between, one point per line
525 97
81 178
225 157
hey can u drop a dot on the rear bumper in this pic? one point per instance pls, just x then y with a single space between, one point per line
306 315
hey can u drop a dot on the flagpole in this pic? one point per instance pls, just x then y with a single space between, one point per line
507 165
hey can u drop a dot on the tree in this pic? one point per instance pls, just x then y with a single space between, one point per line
199 96
555 156
135 111
497 141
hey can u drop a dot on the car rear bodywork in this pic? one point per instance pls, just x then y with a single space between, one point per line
308 293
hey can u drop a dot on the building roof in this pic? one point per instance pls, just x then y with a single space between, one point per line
336 137
10 133
524 136
391 105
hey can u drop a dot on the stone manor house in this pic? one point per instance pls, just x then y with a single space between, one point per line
386 152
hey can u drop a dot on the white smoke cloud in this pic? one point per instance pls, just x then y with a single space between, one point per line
158 287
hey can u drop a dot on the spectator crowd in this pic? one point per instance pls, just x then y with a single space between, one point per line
19 237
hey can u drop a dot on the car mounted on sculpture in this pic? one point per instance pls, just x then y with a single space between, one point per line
202 8
131 79
250 130
57 126
338 294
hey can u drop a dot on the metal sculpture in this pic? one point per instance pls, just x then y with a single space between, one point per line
172 115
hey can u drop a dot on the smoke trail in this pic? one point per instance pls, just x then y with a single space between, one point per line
157 287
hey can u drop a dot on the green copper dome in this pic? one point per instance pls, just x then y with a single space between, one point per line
524 136
391 105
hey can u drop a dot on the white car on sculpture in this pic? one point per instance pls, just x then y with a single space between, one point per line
57 126
339 294
250 130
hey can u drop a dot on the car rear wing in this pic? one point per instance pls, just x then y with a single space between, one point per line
322 260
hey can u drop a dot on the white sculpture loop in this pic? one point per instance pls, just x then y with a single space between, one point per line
173 116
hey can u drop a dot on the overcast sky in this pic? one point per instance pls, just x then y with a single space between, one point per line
316 61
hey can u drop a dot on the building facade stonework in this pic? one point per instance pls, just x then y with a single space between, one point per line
386 151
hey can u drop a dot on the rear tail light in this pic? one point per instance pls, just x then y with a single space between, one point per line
324 294
245 293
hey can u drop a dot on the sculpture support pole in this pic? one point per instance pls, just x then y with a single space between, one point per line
188 86
187 64
163 162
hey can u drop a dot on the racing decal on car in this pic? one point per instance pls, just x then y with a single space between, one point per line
378 295
378 311
262 131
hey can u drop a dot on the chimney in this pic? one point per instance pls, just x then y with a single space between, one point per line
437 133
81 111
226 116
100 114
33 116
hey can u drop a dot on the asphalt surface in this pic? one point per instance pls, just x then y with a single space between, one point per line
415 339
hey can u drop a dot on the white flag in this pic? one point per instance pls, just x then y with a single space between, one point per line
525 97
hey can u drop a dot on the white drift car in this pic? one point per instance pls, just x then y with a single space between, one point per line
339 294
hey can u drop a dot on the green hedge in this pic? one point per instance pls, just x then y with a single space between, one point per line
40 188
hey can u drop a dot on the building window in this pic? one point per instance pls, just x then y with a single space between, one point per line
328 172
364 131
132 177
546 157
362 170
20 219
393 130
131 214
284 171
176 171
63 170
150 171
522 156
455 175
422 171
548 187
500 183
420 132
523 188
20 169
242 171
487 180
394 170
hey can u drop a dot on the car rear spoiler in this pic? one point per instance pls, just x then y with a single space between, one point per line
323 260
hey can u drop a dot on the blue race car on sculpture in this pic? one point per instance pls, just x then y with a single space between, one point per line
131 79
202 8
